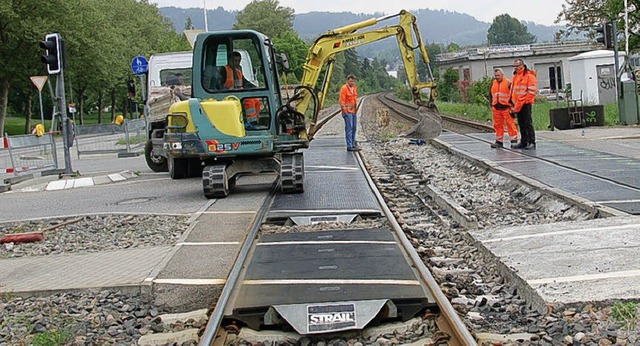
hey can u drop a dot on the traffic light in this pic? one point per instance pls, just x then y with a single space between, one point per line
54 51
606 31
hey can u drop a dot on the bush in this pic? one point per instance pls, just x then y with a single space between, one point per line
479 91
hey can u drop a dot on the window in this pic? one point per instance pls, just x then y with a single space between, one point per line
553 73
257 115
232 64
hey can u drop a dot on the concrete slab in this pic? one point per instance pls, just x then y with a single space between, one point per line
200 262
221 227
571 262
116 177
56 185
83 271
101 180
83 182
68 184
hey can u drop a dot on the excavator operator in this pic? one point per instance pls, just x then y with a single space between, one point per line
236 80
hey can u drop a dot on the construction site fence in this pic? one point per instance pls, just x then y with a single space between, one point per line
126 140
27 154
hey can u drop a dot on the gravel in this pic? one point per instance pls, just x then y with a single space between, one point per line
93 234
486 301
88 318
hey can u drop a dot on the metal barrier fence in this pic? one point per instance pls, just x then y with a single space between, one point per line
125 140
25 154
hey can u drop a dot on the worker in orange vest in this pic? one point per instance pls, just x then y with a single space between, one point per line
524 88
349 107
501 108
234 79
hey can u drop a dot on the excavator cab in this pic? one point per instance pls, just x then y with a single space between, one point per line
236 121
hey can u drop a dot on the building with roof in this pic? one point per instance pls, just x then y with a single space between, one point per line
549 60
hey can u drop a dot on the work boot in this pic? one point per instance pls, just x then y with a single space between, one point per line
497 144
530 146
521 145
514 144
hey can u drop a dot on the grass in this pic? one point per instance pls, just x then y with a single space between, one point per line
625 314
132 140
52 338
540 114
15 125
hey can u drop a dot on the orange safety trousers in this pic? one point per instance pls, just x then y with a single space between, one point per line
500 117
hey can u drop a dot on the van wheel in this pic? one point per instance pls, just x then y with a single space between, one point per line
157 163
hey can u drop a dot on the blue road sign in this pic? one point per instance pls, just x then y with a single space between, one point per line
139 65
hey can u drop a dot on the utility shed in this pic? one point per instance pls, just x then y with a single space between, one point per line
593 76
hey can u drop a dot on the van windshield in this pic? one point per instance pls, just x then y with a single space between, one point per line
176 76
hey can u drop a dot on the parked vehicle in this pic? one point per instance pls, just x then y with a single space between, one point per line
550 95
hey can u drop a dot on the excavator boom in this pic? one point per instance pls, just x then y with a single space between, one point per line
325 47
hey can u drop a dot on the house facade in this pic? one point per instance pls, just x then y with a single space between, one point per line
549 60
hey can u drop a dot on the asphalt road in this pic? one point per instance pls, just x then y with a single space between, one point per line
148 193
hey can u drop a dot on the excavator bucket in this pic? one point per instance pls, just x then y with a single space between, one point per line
429 126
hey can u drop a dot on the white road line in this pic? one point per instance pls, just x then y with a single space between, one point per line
326 242
208 243
587 277
332 282
549 234
194 282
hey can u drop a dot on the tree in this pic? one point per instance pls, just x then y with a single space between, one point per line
508 30
586 15
295 48
267 17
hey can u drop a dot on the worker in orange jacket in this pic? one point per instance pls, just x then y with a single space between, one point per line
501 107
349 107
524 88
234 79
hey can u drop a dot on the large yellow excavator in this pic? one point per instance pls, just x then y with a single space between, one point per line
325 47
238 122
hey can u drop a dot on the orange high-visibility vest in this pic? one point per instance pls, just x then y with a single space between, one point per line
230 83
349 98
500 92
252 107
523 89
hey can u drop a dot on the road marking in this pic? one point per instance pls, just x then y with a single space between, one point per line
194 282
588 277
332 282
542 235
620 201
202 209
327 242
230 212
208 243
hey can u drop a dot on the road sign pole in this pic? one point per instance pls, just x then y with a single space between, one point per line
62 106
41 110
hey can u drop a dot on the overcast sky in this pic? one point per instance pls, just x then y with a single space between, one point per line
539 11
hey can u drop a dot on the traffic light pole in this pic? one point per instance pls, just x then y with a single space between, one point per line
66 138
617 67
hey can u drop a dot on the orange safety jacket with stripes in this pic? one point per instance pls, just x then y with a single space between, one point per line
500 97
524 88
252 106
349 99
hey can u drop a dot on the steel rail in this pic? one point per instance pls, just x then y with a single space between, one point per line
462 334
217 315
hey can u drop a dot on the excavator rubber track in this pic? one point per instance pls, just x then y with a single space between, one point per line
292 173
216 182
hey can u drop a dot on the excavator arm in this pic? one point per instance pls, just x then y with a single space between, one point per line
324 49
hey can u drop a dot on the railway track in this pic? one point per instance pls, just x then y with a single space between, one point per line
405 110
264 285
